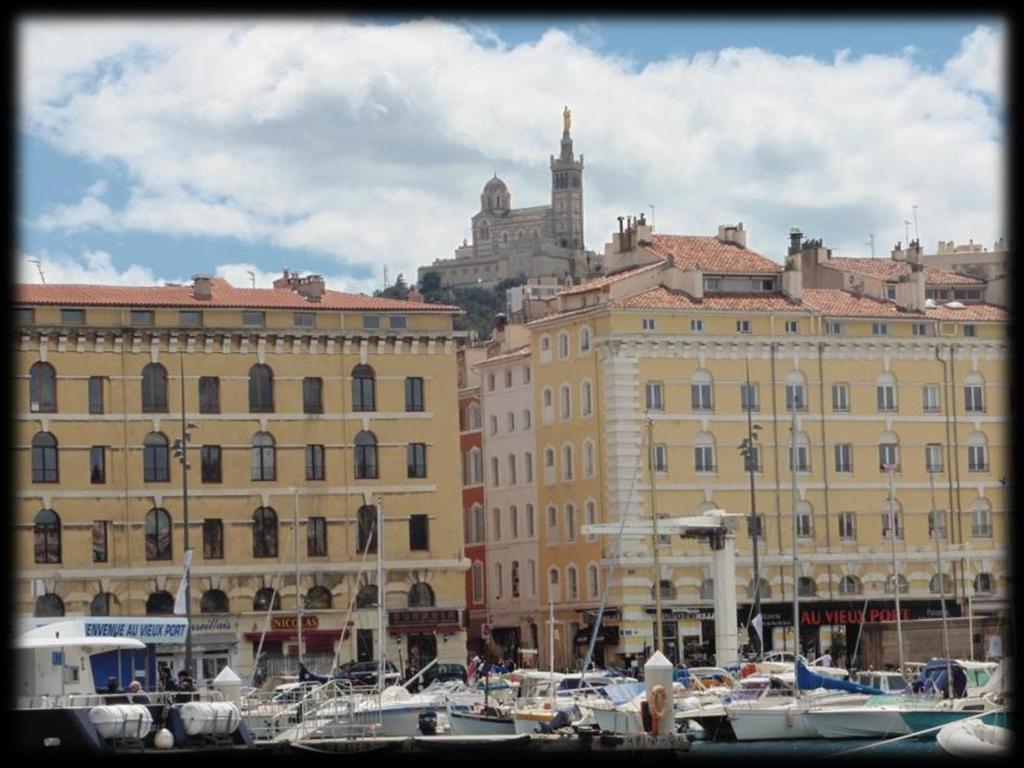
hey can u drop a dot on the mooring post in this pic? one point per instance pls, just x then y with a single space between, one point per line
658 682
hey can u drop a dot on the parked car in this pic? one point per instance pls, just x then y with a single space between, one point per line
365 673
444 672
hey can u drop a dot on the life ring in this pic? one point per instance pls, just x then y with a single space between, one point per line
748 669
659 701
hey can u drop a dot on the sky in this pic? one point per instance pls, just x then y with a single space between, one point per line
153 149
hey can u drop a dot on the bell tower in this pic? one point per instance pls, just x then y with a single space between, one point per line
567 191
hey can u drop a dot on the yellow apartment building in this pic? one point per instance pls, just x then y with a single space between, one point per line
308 405
899 389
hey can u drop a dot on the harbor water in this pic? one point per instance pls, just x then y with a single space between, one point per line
818 748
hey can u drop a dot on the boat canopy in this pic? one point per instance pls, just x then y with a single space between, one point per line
73 634
807 680
620 694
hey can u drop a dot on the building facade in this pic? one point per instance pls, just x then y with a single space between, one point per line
539 241
646 371
307 409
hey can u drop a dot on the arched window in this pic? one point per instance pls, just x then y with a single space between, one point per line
263 456
984 583
264 532
49 605
572 582
261 389
154 389
367 527
588 458
850 585
570 522
262 599
554 592
806 586
940 583
103 604
44 458
526 419
46 535
707 589
158 534
156 460
565 401
568 465
890 582
668 590
764 591
981 518
366 597
160 604
593 582
473 416
494 424
319 597
514 578
363 389
42 388
214 601
549 457
421 595
591 517
584 340
366 456
563 345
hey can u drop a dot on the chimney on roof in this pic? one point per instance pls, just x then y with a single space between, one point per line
914 252
202 287
311 286
414 295
792 275
795 236
910 291
735 234
897 253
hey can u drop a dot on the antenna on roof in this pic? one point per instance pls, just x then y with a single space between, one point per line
906 228
386 276
917 235
651 206
252 277
871 242
39 266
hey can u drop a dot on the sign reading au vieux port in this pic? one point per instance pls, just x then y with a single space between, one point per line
311 621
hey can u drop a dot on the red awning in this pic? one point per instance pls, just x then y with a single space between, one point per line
291 634
445 629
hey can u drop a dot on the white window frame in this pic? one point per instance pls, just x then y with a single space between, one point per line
928 392
840 397
844 458
654 396
848 526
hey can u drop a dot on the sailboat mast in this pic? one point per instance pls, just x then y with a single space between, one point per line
895 569
380 595
654 538
939 528
796 566
298 592
551 648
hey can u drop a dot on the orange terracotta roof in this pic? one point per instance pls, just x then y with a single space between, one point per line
837 303
600 282
890 271
713 255
661 297
518 352
225 295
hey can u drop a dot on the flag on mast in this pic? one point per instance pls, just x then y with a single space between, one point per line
756 624
180 608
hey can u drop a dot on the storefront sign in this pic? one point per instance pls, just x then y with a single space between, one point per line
692 613
310 621
835 613
608 635
427 618
148 631
214 624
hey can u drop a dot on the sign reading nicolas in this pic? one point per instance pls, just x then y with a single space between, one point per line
311 621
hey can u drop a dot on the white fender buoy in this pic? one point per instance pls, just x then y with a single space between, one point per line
164 739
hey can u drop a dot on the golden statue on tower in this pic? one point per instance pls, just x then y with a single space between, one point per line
566 118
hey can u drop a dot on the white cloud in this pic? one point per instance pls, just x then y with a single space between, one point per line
371 143
93 267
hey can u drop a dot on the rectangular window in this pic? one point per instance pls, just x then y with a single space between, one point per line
511 469
803 462
880 329
844 457
804 525
648 323
508 378
712 283
977 460
190 318
304 320
414 394
210 463
209 394
72 316
653 396
315 469
23 316
792 326
885 396
742 326
931 398
98 465
417 459
95 394
795 394
700 397
661 458
848 526
312 395
371 322
749 400
697 325
213 539
526 374
888 456
974 398
495 474
316 537
970 330
252 319
704 458
142 317
419 538
99 541
887 526
397 322
890 291
933 457
490 382
528 467
840 398
936 524
834 328
923 329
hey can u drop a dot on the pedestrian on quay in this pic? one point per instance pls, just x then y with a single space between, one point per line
167 680
136 695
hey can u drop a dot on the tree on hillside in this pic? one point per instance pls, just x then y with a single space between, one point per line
400 290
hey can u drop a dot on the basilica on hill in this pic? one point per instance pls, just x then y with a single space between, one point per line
539 241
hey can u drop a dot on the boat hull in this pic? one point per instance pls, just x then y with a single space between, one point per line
857 724
770 724
471 724
617 720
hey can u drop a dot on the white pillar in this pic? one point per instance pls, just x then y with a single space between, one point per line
725 601
658 671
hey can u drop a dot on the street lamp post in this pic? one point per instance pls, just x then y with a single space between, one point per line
181 453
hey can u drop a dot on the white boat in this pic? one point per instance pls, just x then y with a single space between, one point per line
878 717
974 738
483 722
398 711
